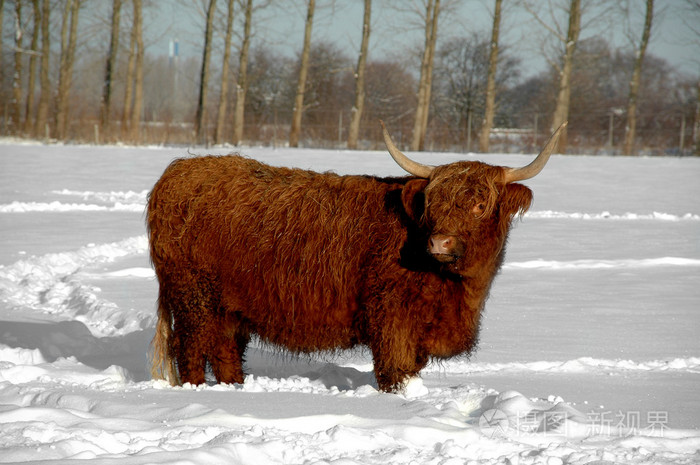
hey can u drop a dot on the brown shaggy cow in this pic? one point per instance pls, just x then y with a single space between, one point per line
319 262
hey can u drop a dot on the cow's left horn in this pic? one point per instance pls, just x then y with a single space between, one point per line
531 170
413 167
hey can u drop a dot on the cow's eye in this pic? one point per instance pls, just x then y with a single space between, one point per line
479 208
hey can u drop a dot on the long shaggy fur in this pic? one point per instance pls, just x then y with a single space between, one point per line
320 262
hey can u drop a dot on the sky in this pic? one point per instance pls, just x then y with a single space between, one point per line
395 33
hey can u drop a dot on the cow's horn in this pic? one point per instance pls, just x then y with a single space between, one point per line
531 170
413 167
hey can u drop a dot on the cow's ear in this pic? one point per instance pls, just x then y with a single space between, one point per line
516 200
413 198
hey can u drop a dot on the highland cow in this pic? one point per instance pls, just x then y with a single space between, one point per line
316 262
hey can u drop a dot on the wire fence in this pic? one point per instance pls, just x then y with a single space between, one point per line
661 134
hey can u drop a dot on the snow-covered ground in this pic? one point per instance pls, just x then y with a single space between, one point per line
589 349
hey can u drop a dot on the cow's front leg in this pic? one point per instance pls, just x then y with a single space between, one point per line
394 364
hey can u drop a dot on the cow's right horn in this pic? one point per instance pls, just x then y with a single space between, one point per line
531 170
413 167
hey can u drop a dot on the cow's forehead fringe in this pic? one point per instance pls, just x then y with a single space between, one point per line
466 174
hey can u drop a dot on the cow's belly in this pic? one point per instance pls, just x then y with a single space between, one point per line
307 338
310 327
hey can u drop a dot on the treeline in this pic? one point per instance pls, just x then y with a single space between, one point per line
462 93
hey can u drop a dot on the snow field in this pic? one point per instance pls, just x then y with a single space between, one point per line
68 410
596 304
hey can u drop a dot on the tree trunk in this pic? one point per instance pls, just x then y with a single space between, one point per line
490 106
42 112
138 71
429 79
696 127
109 69
129 89
15 107
200 117
631 127
357 109
223 98
60 97
33 58
2 70
561 111
242 84
426 71
66 69
301 85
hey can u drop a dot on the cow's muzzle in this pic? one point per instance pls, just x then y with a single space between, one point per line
445 249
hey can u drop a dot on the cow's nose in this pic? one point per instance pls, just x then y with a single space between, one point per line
442 245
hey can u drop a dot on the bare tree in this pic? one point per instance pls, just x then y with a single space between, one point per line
129 85
460 83
491 80
564 65
357 109
561 111
242 83
696 126
33 58
109 67
420 126
138 83
2 65
301 84
631 127
325 93
223 97
15 107
691 19
200 117
270 91
65 75
42 112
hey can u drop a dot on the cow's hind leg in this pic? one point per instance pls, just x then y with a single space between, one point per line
227 355
191 299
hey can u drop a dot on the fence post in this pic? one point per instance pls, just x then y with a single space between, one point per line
274 128
340 128
469 131
682 139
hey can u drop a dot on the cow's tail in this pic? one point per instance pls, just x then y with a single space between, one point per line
162 363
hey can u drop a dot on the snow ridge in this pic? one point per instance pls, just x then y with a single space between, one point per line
601 264
579 365
111 196
51 284
654 216
60 207
108 201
